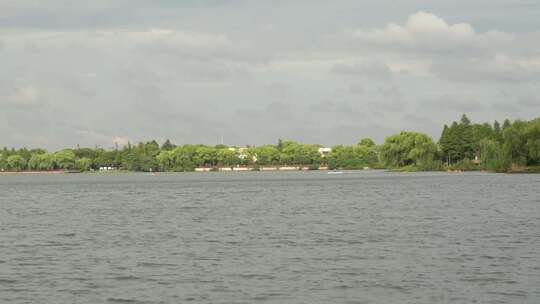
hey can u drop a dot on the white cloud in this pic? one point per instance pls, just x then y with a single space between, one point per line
427 45
427 31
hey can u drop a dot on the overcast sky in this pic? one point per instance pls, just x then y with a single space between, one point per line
318 71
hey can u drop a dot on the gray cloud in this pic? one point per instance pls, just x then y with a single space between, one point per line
255 71
364 69
499 68
453 103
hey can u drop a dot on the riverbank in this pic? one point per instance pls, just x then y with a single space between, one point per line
525 170
33 172
513 170
199 170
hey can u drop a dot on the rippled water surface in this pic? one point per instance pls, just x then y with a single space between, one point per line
297 237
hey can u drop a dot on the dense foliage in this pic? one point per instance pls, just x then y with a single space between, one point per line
515 144
462 146
408 148
364 154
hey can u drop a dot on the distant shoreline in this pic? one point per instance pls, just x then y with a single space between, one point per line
531 171
33 172
463 146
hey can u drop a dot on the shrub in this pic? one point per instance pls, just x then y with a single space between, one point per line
313 167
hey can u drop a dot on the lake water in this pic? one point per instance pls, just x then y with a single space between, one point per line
275 237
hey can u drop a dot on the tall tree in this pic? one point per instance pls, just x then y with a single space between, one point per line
497 130
167 145
366 142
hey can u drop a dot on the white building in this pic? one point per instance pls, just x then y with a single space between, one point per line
324 151
106 169
241 152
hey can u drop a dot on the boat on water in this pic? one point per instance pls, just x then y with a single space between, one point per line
335 172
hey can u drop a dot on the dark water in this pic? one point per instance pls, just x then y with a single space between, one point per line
360 237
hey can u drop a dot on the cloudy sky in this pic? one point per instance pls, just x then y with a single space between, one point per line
104 71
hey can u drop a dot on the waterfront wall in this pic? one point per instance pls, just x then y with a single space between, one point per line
263 168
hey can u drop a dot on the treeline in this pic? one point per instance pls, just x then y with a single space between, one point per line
495 147
462 146
467 146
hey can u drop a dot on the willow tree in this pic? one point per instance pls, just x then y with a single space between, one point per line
493 156
407 148
41 161
16 162
532 132
64 159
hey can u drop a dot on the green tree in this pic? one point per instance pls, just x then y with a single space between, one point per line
408 148
279 145
130 160
167 146
366 142
266 155
183 158
206 156
37 151
46 162
460 140
41 162
16 162
107 158
480 132
466 138
353 157
25 153
532 134
86 152
506 124
83 164
515 142
64 159
294 153
450 143
137 160
227 157
492 155
497 130
165 160
150 148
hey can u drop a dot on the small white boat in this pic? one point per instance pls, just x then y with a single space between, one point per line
335 172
